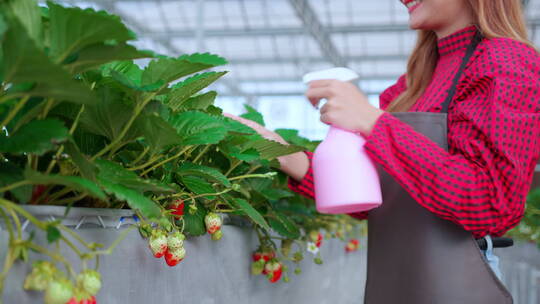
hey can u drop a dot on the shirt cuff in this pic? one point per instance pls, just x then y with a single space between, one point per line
304 187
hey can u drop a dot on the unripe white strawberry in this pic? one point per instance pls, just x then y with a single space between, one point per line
175 240
90 281
213 222
158 243
59 291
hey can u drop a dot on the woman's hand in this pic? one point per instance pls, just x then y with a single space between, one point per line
346 106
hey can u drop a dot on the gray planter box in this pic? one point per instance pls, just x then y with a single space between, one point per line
212 272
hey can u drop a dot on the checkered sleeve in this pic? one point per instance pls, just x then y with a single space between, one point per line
481 183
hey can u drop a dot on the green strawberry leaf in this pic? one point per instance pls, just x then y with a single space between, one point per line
159 133
86 168
182 91
115 173
170 69
253 115
9 174
73 28
109 116
270 149
275 194
29 15
36 137
282 225
135 200
199 102
23 62
208 173
246 208
194 223
198 185
53 234
98 54
197 128
74 182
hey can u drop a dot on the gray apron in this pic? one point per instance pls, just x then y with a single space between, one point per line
415 257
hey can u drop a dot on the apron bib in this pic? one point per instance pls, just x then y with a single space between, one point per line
415 257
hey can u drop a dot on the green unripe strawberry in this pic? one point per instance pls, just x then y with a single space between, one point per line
41 275
257 267
216 236
90 281
58 291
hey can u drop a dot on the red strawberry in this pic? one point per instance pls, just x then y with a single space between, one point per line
158 243
266 256
175 256
318 243
177 207
273 270
175 240
213 222
89 300
36 193
352 245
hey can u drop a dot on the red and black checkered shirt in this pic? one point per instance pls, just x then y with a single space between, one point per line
481 183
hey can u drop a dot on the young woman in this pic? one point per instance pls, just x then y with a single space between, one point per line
457 138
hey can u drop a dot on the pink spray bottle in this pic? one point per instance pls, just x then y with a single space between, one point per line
345 177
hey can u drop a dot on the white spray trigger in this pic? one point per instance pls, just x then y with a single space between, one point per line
341 74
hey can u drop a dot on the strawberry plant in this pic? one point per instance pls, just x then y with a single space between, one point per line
83 125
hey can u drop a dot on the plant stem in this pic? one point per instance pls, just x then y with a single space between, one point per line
15 185
61 149
14 111
201 153
165 161
26 214
115 243
8 223
71 199
124 131
17 222
48 106
148 163
235 164
54 256
11 96
212 194
138 159
249 176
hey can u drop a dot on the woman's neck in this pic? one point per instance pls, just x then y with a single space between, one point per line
458 24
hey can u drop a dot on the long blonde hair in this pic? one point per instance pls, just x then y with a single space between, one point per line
494 18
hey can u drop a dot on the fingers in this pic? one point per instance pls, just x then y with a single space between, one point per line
314 95
322 83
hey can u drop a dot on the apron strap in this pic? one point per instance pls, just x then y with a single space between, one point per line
453 88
